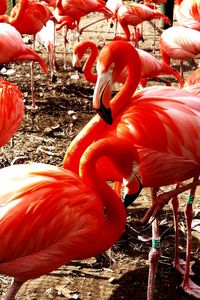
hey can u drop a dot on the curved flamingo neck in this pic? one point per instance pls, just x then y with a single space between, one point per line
96 126
115 218
127 54
87 69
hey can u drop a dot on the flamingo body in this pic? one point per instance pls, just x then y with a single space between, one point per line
76 9
134 14
11 110
187 13
49 215
28 17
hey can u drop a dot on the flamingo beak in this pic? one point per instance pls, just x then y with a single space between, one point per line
130 198
76 63
102 96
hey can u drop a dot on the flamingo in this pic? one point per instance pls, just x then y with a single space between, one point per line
157 120
46 38
49 216
76 9
194 77
187 13
134 14
3 7
151 67
11 110
180 43
14 49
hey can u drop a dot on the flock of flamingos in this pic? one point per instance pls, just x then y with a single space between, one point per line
146 138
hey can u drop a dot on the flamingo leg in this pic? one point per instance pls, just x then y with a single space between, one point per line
14 288
178 263
188 285
154 253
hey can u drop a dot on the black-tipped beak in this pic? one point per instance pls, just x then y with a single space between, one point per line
130 198
105 114
79 69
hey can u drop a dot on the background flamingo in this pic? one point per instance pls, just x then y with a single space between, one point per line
187 13
134 14
151 67
11 110
47 231
77 9
166 109
180 43
13 49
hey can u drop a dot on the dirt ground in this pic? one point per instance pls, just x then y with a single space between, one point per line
64 107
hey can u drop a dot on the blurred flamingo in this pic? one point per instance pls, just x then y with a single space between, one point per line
151 67
187 13
3 7
194 77
66 23
164 146
180 43
49 216
28 17
46 38
14 49
11 110
134 14
76 9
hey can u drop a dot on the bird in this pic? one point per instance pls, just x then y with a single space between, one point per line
3 7
187 13
180 43
194 77
151 67
46 38
11 110
14 49
134 14
28 16
77 9
49 215
157 120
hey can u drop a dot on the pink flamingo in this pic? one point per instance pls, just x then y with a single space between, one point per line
174 116
76 9
134 14
193 82
11 110
14 49
151 67
180 43
49 216
187 13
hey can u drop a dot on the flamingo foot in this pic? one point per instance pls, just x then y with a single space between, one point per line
191 288
180 266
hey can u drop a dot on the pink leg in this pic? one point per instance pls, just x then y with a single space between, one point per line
14 288
188 285
154 253
178 263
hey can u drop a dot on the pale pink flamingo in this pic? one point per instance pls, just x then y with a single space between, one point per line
46 38
187 13
151 67
180 43
50 216
193 82
11 110
14 49
158 121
